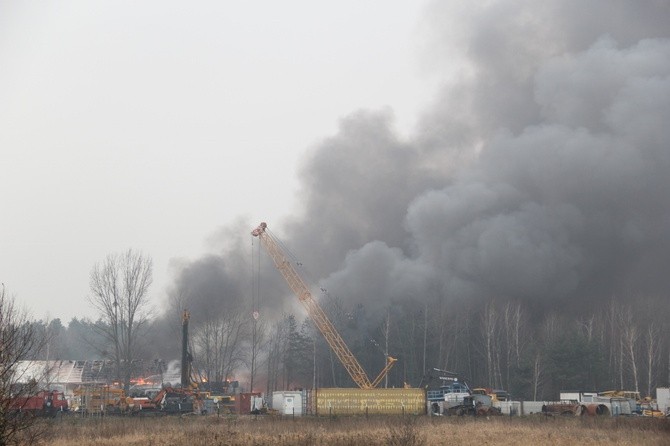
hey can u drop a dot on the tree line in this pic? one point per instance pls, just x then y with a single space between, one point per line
531 353
497 344
531 349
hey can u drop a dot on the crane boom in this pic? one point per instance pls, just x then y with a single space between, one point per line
316 313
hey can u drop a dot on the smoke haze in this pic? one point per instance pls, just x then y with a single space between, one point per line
539 172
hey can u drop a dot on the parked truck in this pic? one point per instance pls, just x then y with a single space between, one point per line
46 403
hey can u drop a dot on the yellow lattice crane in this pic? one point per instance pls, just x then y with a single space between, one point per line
317 314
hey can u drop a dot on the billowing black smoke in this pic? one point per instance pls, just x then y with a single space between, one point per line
541 173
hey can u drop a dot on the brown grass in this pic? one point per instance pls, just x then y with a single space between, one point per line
406 431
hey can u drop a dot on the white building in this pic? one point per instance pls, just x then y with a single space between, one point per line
288 402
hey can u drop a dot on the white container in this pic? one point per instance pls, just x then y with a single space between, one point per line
511 408
580 397
663 399
287 402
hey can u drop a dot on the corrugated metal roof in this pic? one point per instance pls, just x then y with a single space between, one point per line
60 371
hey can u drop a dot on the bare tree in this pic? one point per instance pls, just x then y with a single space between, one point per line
490 336
537 373
119 291
629 340
276 349
219 344
258 339
19 340
652 351
452 325
611 337
512 319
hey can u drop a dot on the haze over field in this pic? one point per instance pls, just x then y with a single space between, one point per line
150 125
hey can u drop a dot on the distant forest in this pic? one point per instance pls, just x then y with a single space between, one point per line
531 352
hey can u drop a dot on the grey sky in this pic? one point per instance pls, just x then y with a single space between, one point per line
149 125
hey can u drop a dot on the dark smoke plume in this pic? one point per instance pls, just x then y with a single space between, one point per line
541 173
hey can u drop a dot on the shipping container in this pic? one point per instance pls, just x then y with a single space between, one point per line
244 402
288 402
336 401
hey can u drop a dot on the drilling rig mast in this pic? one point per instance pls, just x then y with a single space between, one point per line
317 314
186 358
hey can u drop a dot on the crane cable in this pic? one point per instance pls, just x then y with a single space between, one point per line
255 302
253 277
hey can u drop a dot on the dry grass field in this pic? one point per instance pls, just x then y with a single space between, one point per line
405 431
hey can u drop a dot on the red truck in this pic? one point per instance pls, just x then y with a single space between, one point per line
46 403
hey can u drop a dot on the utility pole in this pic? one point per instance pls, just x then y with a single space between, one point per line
387 329
314 365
